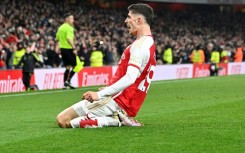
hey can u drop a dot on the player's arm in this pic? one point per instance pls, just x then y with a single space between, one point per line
127 80
69 37
71 43
57 36
133 72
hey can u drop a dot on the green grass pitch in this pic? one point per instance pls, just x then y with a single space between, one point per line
205 115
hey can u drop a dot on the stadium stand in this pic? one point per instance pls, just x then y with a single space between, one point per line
181 30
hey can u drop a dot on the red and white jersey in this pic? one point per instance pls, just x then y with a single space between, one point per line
140 54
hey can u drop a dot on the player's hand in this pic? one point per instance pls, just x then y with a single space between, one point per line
74 51
90 96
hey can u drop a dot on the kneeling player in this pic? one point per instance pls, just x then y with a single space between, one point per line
128 87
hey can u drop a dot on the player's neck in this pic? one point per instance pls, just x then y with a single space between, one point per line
144 31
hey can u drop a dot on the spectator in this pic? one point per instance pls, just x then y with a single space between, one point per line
37 21
208 52
108 56
2 58
197 55
18 54
238 57
53 58
159 55
96 59
183 58
28 61
215 56
41 53
168 55
224 55
244 53
84 55
8 52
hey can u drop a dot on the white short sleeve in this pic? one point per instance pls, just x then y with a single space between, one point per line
140 52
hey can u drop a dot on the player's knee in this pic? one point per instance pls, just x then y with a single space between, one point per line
62 121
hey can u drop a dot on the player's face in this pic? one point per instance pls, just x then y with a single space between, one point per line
132 23
70 19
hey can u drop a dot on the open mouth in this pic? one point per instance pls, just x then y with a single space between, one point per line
128 27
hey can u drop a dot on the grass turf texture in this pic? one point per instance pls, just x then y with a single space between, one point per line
195 115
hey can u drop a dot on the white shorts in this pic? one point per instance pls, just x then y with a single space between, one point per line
103 107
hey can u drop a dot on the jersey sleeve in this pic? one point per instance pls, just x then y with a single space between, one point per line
139 52
135 56
127 80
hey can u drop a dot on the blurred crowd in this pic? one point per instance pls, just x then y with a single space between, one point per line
181 37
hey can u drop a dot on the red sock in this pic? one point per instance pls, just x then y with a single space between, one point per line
89 123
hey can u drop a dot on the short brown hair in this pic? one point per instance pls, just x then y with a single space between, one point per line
67 15
144 10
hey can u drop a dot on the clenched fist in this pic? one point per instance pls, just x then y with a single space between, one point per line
90 96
